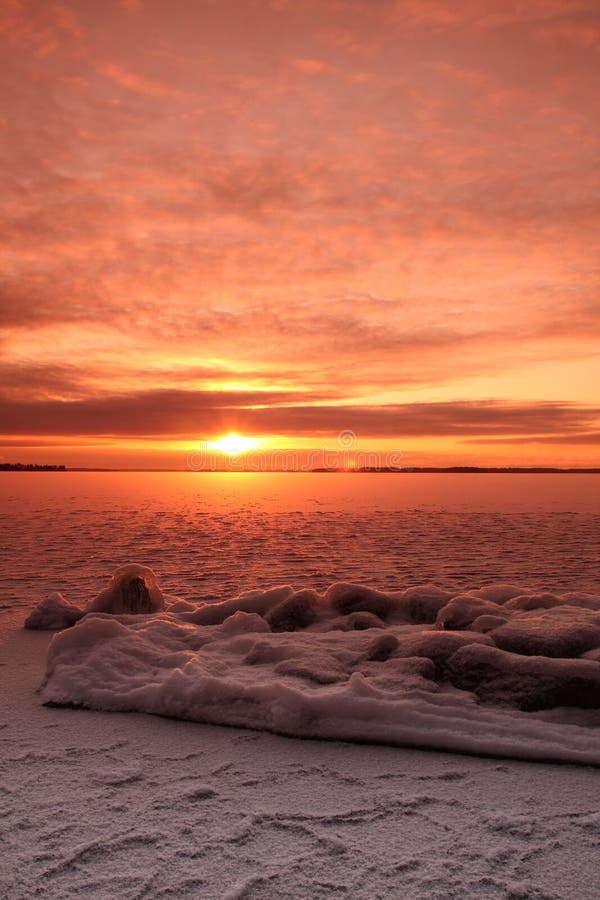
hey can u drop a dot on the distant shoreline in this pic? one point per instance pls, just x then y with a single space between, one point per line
30 467
408 470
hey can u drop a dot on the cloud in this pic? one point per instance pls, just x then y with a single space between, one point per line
311 66
370 196
577 438
45 28
39 380
429 419
139 84
194 414
483 15
133 7
584 34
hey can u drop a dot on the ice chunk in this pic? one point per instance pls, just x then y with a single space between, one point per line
133 590
580 598
357 621
462 610
487 623
425 601
53 613
529 683
438 646
259 602
297 611
560 631
527 602
498 593
350 598
244 623
383 647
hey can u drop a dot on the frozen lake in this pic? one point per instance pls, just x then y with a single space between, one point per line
102 804
211 535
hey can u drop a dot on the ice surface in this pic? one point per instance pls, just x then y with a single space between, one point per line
102 806
351 663
213 535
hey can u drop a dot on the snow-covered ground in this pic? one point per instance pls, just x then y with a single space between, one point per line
127 805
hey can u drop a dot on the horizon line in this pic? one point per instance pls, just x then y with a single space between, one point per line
361 470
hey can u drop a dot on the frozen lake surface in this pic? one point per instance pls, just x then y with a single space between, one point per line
210 536
102 804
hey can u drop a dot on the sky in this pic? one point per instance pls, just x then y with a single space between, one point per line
363 224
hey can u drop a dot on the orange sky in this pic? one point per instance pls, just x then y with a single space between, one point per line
295 218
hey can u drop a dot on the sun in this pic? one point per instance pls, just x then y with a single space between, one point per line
234 444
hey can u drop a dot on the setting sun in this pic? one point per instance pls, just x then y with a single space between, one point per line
234 444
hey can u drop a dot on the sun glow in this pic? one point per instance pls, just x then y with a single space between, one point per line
234 444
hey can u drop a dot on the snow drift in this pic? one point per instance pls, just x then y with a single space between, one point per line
493 671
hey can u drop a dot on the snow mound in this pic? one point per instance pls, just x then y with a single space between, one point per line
560 631
352 664
527 682
53 613
133 590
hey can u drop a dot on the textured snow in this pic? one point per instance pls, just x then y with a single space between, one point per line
135 806
349 664
102 805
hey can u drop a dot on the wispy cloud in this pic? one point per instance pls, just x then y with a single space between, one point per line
139 84
391 200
